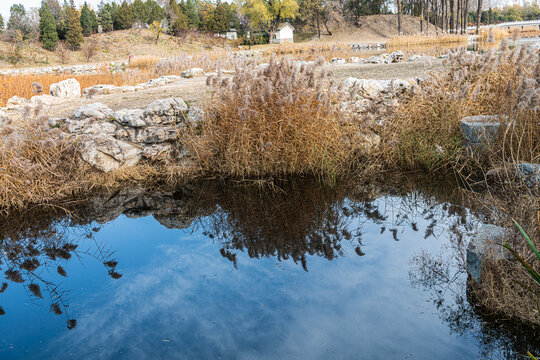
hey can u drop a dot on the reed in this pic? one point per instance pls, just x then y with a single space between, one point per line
492 35
424 132
404 41
273 122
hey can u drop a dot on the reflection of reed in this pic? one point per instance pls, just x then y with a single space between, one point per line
299 220
30 249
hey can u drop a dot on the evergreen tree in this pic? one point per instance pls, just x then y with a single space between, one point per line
105 18
124 17
180 24
177 19
47 28
141 11
1 23
88 20
155 12
74 35
58 14
221 22
192 14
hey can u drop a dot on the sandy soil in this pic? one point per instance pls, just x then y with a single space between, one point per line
195 92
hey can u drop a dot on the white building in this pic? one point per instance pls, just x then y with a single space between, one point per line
231 34
283 34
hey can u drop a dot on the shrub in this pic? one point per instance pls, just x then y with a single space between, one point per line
89 49
63 53
275 121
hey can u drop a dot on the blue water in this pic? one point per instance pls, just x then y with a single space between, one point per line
180 298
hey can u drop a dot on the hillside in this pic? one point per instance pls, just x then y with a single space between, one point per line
374 28
114 46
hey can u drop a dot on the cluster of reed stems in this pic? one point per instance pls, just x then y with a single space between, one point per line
425 132
276 121
398 42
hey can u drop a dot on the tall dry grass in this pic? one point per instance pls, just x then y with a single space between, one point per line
273 122
21 85
38 164
402 41
310 52
425 133
492 34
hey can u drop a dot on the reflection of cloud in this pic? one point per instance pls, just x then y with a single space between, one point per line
192 297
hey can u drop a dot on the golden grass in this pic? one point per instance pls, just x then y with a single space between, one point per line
425 133
21 85
310 52
263 124
405 41
144 62
497 33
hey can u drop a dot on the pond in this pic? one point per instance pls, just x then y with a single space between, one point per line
225 271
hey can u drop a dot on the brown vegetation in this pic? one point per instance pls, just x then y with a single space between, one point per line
399 42
425 134
276 121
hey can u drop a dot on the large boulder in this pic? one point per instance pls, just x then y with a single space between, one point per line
99 90
367 88
191 73
67 89
130 117
338 60
166 111
16 102
485 243
396 56
96 111
148 134
107 153
88 126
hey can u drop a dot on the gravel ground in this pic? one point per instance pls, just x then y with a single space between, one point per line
194 90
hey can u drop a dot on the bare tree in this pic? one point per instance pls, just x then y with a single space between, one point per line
399 16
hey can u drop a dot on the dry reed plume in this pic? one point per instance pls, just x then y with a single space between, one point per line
310 52
275 121
425 133
38 164
399 42
491 35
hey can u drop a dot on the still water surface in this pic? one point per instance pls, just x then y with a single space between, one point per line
244 273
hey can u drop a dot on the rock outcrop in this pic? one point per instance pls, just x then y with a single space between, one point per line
111 140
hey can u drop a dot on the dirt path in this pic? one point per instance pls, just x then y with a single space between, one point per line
194 90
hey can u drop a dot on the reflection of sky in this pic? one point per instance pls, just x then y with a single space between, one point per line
179 298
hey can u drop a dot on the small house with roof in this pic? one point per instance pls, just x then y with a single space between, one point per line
231 34
283 34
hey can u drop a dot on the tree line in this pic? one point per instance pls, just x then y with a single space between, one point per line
53 21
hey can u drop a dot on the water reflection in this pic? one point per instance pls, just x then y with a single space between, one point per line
298 221
29 251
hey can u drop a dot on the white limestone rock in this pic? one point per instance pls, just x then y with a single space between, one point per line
95 111
66 89
193 72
